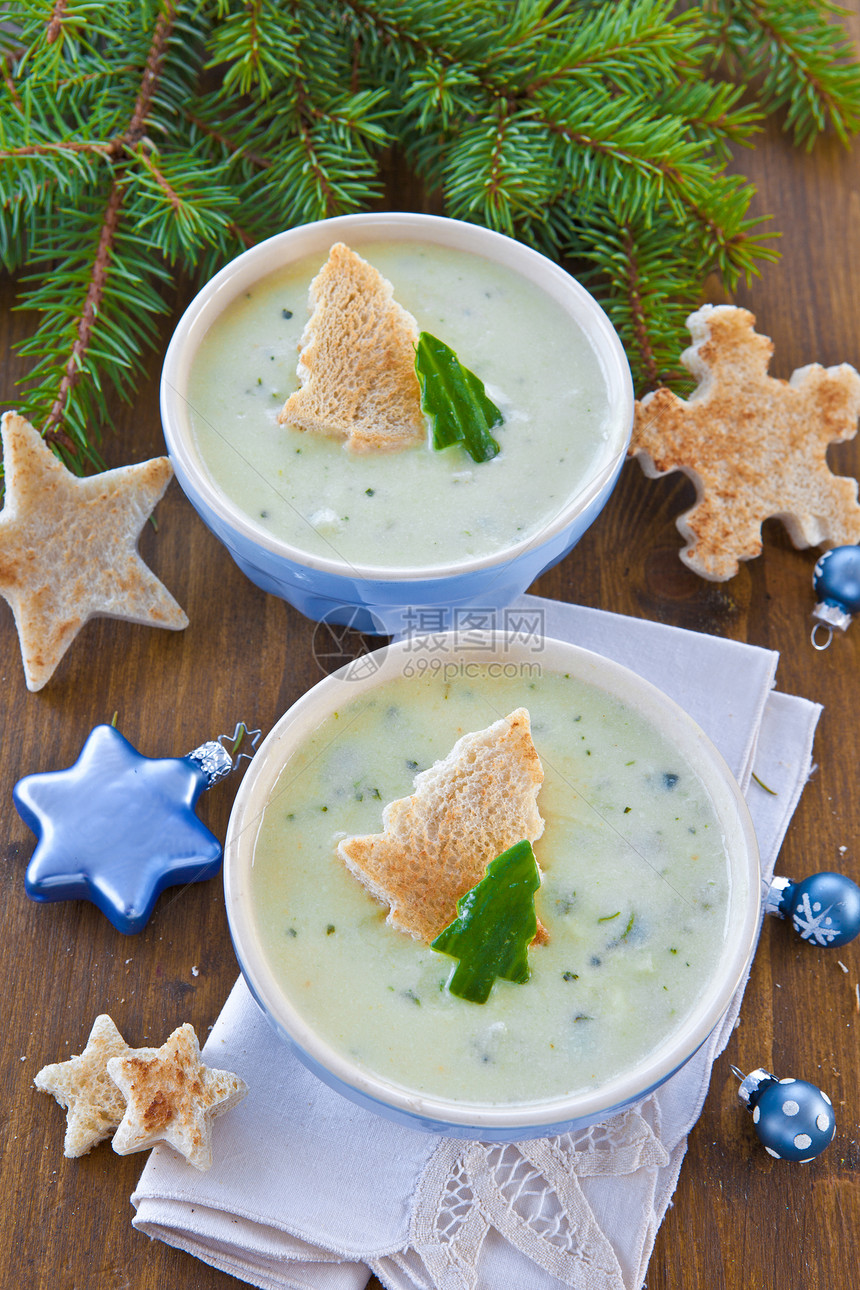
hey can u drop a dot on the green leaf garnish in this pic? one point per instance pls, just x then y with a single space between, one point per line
455 401
495 925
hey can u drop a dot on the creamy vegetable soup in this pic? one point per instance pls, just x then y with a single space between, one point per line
416 507
634 893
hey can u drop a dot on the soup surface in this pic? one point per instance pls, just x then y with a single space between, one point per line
634 892
418 507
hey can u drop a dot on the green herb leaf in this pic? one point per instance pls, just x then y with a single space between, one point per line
496 923
455 400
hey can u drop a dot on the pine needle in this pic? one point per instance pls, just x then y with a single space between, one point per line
143 141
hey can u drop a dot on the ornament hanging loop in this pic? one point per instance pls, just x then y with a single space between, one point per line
240 734
817 643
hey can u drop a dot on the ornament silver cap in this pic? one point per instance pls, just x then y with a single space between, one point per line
214 760
752 1082
774 895
832 616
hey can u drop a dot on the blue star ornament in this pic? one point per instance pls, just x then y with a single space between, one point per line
116 828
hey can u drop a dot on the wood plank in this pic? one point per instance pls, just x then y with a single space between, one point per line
740 1219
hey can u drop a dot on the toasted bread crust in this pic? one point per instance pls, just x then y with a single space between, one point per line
82 1085
172 1097
754 445
357 361
466 810
68 548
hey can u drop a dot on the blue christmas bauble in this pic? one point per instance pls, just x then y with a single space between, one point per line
793 1119
824 908
836 578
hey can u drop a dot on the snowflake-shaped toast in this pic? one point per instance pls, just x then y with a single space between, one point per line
753 445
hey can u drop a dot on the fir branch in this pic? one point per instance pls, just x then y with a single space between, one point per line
97 296
141 139
52 429
96 345
712 113
253 44
181 210
614 44
152 71
801 59
644 278
500 171
56 147
645 346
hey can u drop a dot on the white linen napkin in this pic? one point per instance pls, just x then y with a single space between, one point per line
309 1192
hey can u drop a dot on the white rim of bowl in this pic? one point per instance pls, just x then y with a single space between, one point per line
558 656
247 268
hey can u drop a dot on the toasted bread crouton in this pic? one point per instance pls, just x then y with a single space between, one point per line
68 547
172 1097
466 810
94 1105
357 361
754 445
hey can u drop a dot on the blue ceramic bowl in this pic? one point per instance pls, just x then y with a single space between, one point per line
513 1122
373 598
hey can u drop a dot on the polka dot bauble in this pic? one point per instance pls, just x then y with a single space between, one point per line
793 1118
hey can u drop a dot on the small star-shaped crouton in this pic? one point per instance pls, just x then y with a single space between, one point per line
172 1097
82 1085
466 810
68 548
753 445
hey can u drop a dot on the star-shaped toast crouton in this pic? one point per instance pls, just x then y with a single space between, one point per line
68 548
172 1097
753 445
466 810
93 1103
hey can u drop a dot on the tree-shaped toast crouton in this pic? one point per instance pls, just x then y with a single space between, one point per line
357 361
466 810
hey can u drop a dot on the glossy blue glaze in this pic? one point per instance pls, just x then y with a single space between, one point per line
388 607
836 578
116 828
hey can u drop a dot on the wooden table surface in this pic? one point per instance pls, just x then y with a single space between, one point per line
740 1221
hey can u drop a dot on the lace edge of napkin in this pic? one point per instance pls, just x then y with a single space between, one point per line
530 1193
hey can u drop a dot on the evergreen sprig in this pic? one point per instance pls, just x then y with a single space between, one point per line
141 140
796 55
